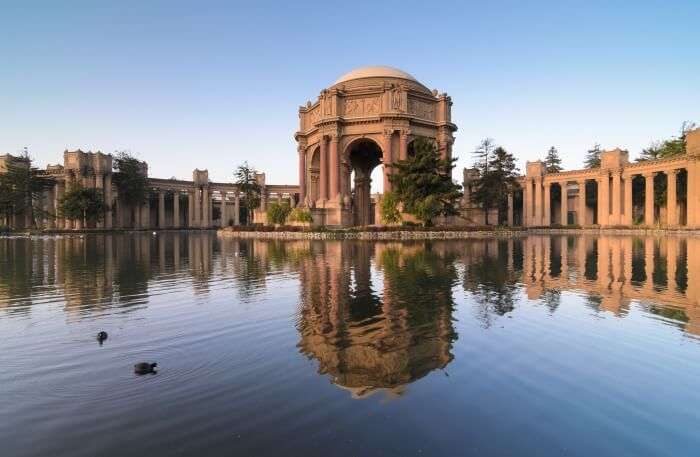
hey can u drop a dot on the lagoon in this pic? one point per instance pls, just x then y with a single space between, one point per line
572 345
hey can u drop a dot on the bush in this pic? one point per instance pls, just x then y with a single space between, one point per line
277 212
4 229
300 215
390 208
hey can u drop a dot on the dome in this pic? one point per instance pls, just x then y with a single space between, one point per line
375 72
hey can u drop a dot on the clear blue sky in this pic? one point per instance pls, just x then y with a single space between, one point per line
210 84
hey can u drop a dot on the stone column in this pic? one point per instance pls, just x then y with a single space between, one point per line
108 199
526 203
224 212
58 192
190 207
538 201
99 185
581 212
323 173
671 203
403 145
161 209
603 200
236 209
616 196
510 209
627 217
302 175
564 208
146 214
649 199
693 195
176 209
333 181
197 220
547 216
206 208
387 160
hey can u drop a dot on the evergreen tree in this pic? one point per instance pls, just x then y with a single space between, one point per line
592 159
250 188
497 177
83 204
423 183
130 178
552 162
668 148
22 188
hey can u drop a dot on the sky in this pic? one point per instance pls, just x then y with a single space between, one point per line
204 84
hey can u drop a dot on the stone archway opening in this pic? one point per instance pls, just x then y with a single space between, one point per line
313 179
364 157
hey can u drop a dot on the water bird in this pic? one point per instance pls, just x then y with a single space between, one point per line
101 336
145 368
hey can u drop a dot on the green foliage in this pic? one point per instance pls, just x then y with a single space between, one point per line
22 188
668 148
423 183
300 215
390 208
277 212
497 177
130 179
85 204
592 159
552 162
249 186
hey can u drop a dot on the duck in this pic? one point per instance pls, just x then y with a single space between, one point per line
145 368
101 336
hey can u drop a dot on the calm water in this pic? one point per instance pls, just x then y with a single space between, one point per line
540 346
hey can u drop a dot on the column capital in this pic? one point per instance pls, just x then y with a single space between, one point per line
672 171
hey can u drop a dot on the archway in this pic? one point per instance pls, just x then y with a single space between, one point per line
313 177
363 156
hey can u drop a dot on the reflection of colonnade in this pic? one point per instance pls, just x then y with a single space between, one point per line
368 339
617 269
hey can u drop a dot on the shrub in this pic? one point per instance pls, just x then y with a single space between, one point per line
277 212
300 215
390 208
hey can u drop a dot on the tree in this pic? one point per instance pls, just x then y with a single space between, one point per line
22 189
248 185
668 148
496 178
277 212
552 162
423 183
130 178
592 159
389 208
83 204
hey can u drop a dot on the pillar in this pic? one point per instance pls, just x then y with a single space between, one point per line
190 207
323 173
302 175
236 209
59 190
161 209
333 162
547 216
224 212
627 217
649 199
538 201
108 200
403 145
176 209
564 209
581 212
146 214
206 208
99 185
616 217
693 195
671 203
603 199
510 209
197 219
387 160
526 203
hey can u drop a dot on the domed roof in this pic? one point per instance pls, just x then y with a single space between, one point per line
377 71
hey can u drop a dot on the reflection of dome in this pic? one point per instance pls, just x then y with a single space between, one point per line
378 71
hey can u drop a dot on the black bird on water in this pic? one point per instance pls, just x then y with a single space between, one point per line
145 368
101 336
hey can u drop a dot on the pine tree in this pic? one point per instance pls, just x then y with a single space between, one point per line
497 178
423 183
552 162
249 186
592 159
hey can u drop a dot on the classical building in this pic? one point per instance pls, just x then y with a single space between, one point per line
171 203
366 118
618 193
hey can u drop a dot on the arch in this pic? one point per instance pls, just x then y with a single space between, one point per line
314 171
362 155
